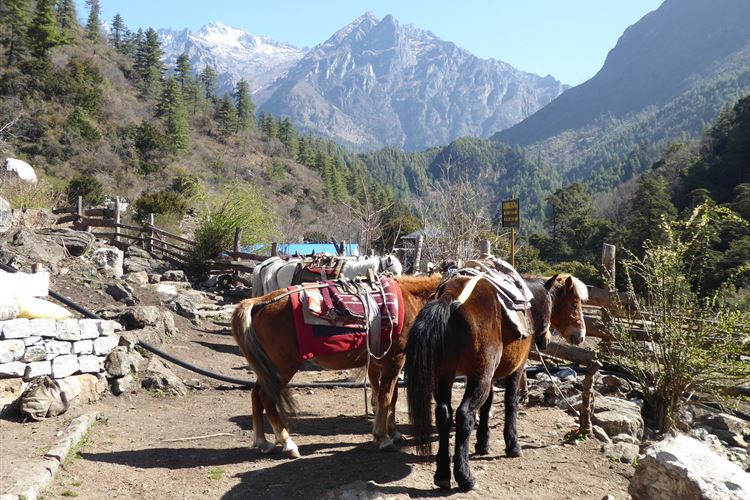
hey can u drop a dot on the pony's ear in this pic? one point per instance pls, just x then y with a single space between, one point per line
551 282
569 284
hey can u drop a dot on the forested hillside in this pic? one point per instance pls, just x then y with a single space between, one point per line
100 116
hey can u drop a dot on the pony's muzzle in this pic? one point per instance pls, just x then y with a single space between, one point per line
575 335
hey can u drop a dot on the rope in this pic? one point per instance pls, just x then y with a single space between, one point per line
554 382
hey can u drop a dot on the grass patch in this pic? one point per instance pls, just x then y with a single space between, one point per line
76 484
68 493
216 473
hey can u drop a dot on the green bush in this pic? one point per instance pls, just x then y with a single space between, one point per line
79 124
86 186
187 185
160 202
243 206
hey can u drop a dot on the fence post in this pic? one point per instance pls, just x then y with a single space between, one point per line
484 248
418 253
117 219
274 249
237 239
608 263
150 234
79 212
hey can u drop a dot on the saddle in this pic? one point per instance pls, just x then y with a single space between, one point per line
337 316
320 268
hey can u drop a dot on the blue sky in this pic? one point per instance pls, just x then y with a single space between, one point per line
568 39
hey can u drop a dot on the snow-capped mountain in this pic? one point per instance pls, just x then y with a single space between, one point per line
377 82
233 53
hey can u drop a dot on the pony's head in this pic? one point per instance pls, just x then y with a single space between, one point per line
568 294
390 264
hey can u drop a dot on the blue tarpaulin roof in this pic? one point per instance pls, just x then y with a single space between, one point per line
308 248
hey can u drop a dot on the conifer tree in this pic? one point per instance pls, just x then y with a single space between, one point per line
288 136
93 32
43 32
148 62
67 19
226 115
268 125
209 79
182 70
118 32
172 108
15 16
245 105
651 202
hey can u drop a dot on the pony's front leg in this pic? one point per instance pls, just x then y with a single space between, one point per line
260 436
512 448
282 436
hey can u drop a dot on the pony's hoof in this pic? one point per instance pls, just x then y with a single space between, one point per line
443 484
387 445
293 453
482 450
514 452
467 485
266 448
399 438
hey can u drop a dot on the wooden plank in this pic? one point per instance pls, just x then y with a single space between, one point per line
67 218
568 353
64 210
170 235
139 229
167 244
178 256
94 222
169 251
98 212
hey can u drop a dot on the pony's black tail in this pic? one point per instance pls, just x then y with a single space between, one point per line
425 350
268 376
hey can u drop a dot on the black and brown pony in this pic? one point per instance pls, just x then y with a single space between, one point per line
265 332
476 338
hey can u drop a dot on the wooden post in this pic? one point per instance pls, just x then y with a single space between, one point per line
37 267
608 264
237 239
117 218
274 249
371 253
513 247
587 398
150 233
484 248
418 253
342 248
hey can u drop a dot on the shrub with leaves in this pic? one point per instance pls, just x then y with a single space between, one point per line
691 344
243 207
160 202
86 186
22 194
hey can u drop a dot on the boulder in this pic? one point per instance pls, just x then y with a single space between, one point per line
140 317
611 384
108 261
104 345
121 292
683 468
727 423
90 363
57 348
600 434
139 278
6 216
64 365
11 350
160 378
68 329
34 353
122 385
37 248
76 243
174 275
136 265
622 452
184 306
33 218
122 361
624 438
617 416
36 369
133 251
86 388
12 369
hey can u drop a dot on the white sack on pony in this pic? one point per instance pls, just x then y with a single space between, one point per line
23 170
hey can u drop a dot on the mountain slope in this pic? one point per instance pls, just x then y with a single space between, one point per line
233 53
378 82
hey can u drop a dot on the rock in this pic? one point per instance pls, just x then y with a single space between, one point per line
11 350
8 309
121 292
108 328
139 278
103 345
166 289
709 439
174 275
56 348
6 219
64 365
76 243
154 278
683 468
124 384
136 264
37 248
617 416
15 329
32 341
611 384
43 327
33 218
131 337
133 251
83 347
10 392
68 329
89 328
90 364
184 306
34 353
108 261
565 374
122 361
140 317
86 388
724 422
36 369
601 434
159 377
622 452
624 438
12 369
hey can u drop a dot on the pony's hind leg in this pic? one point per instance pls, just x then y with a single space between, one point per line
483 431
512 448
443 422
260 436
282 435
387 388
475 395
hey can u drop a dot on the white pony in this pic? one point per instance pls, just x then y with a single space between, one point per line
275 273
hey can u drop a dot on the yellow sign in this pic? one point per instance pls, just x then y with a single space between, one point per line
511 210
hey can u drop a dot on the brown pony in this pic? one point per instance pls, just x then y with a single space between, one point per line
477 339
264 330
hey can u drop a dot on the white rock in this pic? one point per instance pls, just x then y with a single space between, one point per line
23 170
55 348
83 347
109 327
85 387
43 327
90 364
64 365
6 218
12 369
11 350
68 329
89 328
8 305
103 345
32 341
34 353
166 289
681 467
15 329
37 368
108 261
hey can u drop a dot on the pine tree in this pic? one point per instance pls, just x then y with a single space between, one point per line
172 108
288 136
148 62
15 16
651 201
93 32
226 115
182 70
209 79
43 32
268 125
338 183
119 31
67 19
245 105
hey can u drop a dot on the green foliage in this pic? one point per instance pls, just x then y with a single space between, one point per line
148 62
210 81
67 19
651 204
150 145
226 115
187 185
160 202
172 109
242 206
275 171
182 71
245 105
44 32
15 17
692 343
92 24
119 31
88 187
79 124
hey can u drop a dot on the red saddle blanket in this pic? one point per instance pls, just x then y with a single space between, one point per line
330 319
